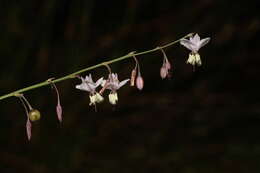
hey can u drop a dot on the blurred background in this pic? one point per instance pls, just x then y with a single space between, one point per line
194 122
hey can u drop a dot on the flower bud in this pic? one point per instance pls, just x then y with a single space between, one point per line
34 115
29 129
113 98
59 111
133 75
163 71
139 82
167 65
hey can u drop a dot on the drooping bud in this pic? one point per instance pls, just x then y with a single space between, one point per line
29 129
113 98
133 76
58 106
59 111
163 71
139 82
167 65
34 115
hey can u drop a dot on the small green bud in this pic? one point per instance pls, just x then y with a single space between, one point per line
34 115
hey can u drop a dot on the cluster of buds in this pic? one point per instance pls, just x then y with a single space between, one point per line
166 66
139 81
31 113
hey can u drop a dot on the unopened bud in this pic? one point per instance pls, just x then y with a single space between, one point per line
29 129
163 72
133 76
139 82
167 65
34 115
59 111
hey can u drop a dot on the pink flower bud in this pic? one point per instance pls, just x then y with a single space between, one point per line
29 129
163 72
139 82
167 65
59 111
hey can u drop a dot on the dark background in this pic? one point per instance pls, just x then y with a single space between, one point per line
203 121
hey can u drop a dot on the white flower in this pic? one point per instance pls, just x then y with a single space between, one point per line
194 44
113 84
90 86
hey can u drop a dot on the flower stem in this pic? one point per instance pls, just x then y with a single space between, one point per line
74 75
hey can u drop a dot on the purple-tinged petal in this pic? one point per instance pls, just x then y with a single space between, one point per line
83 87
186 43
204 41
122 83
99 81
89 78
196 39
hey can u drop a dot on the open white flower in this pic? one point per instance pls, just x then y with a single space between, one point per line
90 86
113 84
194 44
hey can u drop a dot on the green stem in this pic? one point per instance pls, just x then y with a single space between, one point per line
73 75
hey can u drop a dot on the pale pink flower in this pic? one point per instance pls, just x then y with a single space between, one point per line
113 84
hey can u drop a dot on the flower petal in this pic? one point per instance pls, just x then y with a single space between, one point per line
196 39
122 83
204 41
186 43
89 78
99 81
83 87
